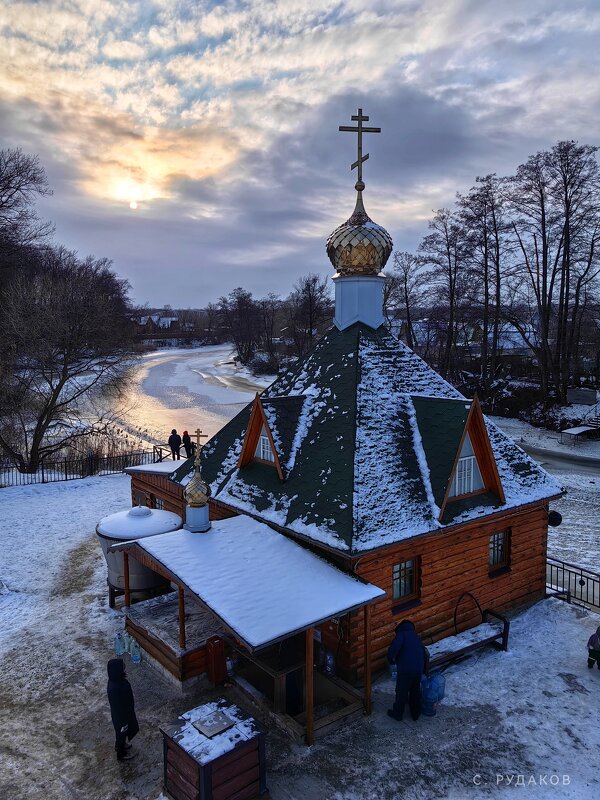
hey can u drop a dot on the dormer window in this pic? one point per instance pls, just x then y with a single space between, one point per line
264 451
467 478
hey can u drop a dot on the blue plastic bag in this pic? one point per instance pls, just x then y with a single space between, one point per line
433 690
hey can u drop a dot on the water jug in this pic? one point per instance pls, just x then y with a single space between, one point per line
136 653
329 664
120 647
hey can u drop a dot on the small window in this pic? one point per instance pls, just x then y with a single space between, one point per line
499 551
467 478
158 502
463 481
264 451
405 580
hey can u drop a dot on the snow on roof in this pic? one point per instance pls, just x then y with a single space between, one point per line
138 522
203 748
158 468
357 474
262 585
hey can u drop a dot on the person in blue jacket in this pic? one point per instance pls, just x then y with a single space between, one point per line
408 653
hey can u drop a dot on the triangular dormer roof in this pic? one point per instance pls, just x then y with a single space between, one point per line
444 424
258 422
353 452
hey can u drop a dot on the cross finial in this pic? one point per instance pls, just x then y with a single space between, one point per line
200 435
359 129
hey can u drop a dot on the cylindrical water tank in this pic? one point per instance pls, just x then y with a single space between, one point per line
135 523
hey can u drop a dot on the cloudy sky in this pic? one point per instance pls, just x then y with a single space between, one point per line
196 144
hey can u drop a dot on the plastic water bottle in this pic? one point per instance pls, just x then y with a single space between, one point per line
126 642
329 664
120 647
136 653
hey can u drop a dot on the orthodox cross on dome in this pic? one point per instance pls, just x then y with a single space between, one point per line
359 129
199 435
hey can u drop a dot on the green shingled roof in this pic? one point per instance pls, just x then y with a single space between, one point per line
441 424
367 434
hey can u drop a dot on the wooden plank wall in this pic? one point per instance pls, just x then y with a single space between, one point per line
158 486
172 495
190 664
451 563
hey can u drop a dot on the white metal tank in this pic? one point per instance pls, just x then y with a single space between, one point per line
134 523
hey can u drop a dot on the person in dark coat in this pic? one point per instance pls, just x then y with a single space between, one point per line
187 444
122 710
408 653
594 649
175 444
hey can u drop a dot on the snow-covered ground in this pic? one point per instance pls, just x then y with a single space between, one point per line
536 439
509 720
187 389
577 468
530 712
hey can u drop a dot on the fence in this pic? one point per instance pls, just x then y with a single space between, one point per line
580 586
70 469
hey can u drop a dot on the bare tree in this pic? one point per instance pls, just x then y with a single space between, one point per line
306 308
555 199
481 214
239 317
444 250
65 337
405 290
22 179
268 310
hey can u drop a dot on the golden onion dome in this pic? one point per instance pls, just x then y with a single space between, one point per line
359 246
197 491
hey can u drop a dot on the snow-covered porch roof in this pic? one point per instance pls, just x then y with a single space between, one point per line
260 584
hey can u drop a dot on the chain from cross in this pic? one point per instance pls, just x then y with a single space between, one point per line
360 118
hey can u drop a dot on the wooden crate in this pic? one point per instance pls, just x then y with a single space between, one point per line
228 766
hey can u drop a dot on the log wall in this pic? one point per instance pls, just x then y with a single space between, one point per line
450 563
145 487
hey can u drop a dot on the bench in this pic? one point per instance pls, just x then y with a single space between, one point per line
453 648
579 432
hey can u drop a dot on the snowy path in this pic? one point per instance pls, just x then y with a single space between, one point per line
529 712
186 389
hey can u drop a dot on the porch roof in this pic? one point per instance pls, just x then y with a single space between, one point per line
260 584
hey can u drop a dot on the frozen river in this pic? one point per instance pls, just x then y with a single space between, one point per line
187 389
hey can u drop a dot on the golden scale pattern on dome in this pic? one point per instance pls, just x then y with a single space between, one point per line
359 246
197 491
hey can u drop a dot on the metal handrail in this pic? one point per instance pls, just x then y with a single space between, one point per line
577 567
579 585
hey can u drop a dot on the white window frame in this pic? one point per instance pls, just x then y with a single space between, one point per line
463 479
264 451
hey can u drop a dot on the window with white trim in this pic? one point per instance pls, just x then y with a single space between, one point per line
467 478
264 450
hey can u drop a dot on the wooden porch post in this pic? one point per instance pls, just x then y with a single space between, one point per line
367 621
126 578
181 619
310 700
